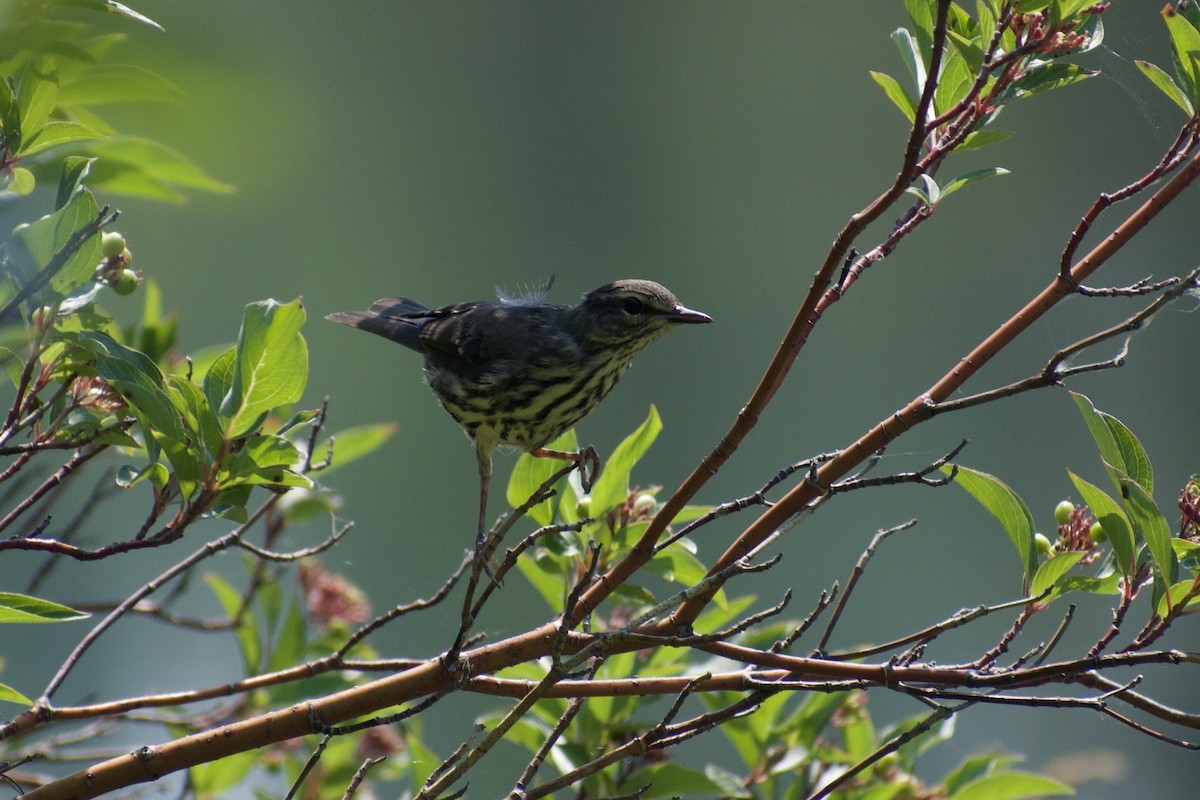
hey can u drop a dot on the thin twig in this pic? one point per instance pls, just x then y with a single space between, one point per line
859 567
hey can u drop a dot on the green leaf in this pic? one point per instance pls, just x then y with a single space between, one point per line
531 472
138 379
271 367
1045 78
264 460
969 49
48 235
218 378
971 177
1185 41
671 780
910 53
728 784
677 565
973 768
129 476
11 695
920 13
954 82
630 594
290 645
144 168
986 11
714 617
858 736
296 420
1167 85
216 778
75 169
891 87
1178 593
247 624
1187 552
120 9
10 116
1106 442
931 194
118 83
689 513
545 575
303 506
351 444
1004 504
1011 786
886 792
1153 527
23 608
1112 519
198 415
612 487
1066 9
56 133
1135 463
21 181
36 98
1052 569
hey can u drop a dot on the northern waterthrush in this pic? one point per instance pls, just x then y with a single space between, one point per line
521 372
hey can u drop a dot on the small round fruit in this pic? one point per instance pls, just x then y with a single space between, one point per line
125 283
1062 512
644 505
1043 544
112 244
1097 533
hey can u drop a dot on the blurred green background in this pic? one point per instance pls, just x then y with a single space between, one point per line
439 150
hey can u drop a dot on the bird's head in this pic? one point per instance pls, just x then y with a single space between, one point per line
627 315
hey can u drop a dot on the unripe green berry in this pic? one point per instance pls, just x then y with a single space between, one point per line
1062 512
1097 533
1043 544
112 244
125 283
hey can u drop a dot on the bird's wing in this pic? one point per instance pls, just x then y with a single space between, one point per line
488 337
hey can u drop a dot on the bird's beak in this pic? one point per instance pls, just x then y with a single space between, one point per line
687 316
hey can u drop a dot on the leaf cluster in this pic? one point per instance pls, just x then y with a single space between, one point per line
58 79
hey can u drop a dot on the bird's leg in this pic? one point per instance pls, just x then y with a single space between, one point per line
481 536
583 459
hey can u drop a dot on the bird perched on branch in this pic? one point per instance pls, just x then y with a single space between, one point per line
521 372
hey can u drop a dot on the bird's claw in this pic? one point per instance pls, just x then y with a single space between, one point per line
483 560
588 456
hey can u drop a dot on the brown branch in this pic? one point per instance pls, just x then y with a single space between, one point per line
53 481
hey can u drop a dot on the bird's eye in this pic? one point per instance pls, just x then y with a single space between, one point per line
632 305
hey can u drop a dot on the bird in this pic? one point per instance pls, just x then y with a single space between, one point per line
520 372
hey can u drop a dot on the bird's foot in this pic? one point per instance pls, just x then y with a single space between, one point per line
584 459
483 561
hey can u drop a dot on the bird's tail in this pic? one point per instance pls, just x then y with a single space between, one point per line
395 318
